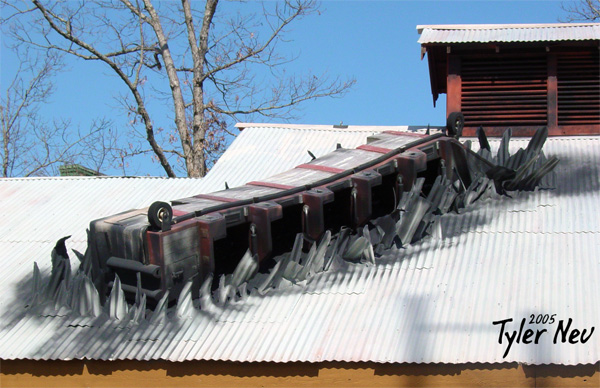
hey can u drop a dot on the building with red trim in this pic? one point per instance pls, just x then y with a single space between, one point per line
519 76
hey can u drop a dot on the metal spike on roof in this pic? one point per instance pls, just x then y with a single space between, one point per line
503 153
185 306
225 291
375 234
369 254
356 248
61 271
304 268
245 269
388 226
411 219
319 259
137 313
537 142
437 232
159 316
37 288
530 182
206 302
79 255
85 300
292 266
330 252
242 291
516 159
117 306
62 296
267 284
483 140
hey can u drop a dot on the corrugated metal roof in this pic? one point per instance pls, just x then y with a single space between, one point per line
41 208
485 33
537 253
262 150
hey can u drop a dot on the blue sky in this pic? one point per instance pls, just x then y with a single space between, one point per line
373 41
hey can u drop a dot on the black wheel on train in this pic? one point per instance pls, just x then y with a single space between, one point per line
455 124
159 212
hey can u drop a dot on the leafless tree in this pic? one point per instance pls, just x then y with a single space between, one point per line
582 10
31 146
210 66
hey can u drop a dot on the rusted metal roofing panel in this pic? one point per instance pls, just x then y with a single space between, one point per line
432 302
487 33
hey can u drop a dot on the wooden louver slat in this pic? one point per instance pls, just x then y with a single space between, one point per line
504 91
578 79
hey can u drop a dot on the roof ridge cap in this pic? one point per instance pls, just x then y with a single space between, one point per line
421 27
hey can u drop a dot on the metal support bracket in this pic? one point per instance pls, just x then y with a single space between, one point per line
363 183
409 164
262 215
313 219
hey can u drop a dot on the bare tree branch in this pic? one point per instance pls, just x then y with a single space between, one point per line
178 102
583 10
31 146
51 18
199 51
218 66
253 52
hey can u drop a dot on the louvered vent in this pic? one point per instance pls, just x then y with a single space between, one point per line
507 91
578 78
